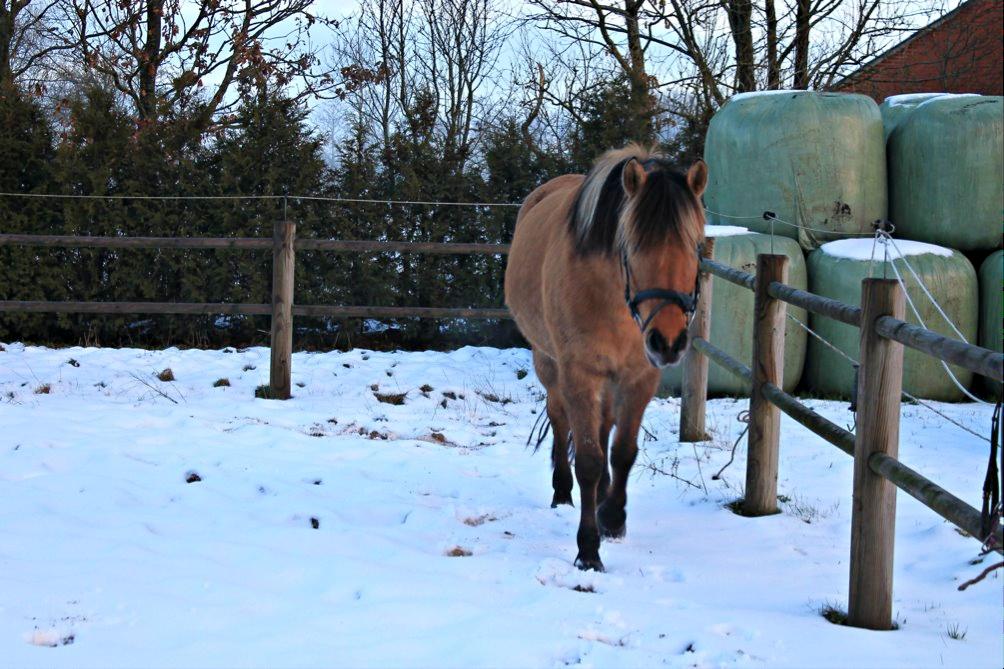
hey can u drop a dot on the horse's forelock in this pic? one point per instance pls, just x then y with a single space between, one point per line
665 210
595 215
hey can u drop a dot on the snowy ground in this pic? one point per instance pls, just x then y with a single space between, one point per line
434 543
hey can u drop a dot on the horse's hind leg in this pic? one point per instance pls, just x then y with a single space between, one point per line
561 478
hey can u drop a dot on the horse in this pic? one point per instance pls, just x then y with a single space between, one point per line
602 282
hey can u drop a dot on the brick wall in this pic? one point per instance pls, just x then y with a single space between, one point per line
962 52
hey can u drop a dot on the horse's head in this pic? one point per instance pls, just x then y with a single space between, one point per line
661 227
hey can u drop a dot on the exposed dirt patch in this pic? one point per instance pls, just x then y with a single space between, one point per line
166 375
458 551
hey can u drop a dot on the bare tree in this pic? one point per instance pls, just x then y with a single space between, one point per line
159 54
28 38
423 67
689 56
623 30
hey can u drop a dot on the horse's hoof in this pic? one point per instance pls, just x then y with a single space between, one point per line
612 521
613 532
561 498
589 564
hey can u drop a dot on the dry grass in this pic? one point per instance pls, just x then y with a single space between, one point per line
264 392
166 375
221 383
457 551
390 398
833 613
43 389
493 397
475 521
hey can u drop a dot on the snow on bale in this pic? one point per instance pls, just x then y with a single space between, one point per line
946 172
992 309
896 108
836 270
732 311
816 160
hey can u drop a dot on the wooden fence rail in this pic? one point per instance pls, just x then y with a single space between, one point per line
877 471
282 310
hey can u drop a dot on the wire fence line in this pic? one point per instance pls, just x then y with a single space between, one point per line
283 198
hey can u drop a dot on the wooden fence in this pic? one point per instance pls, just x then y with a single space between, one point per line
284 245
875 443
874 446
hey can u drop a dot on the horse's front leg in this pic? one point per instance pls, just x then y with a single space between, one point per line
581 392
631 401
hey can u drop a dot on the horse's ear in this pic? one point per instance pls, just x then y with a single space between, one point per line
697 177
633 176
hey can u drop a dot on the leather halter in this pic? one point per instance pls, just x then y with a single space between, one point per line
687 302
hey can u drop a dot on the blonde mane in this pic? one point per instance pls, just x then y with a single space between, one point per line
603 219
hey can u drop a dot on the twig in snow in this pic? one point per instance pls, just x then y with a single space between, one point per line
983 574
743 417
655 469
699 472
152 387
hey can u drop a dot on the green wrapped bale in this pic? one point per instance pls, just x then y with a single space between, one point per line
946 172
817 160
992 310
732 311
896 108
837 269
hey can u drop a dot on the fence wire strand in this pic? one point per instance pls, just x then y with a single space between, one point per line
305 198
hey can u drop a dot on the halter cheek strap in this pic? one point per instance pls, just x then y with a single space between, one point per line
687 302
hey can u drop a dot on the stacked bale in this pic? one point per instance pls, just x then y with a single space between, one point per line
992 309
836 270
732 311
815 159
896 108
946 172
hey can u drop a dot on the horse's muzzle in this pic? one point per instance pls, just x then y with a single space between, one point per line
660 352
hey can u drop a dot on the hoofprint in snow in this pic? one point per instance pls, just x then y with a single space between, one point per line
434 544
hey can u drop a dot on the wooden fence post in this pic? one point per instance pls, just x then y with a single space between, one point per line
873 514
768 367
283 260
694 384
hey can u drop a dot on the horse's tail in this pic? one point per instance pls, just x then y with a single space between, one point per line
541 427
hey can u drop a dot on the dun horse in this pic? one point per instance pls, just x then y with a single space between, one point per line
602 281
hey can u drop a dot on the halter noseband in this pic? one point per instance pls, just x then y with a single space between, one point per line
685 301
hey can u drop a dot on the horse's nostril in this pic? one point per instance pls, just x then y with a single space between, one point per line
656 342
681 342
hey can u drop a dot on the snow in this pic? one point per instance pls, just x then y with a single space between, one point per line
760 94
725 230
909 98
861 249
950 95
108 557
